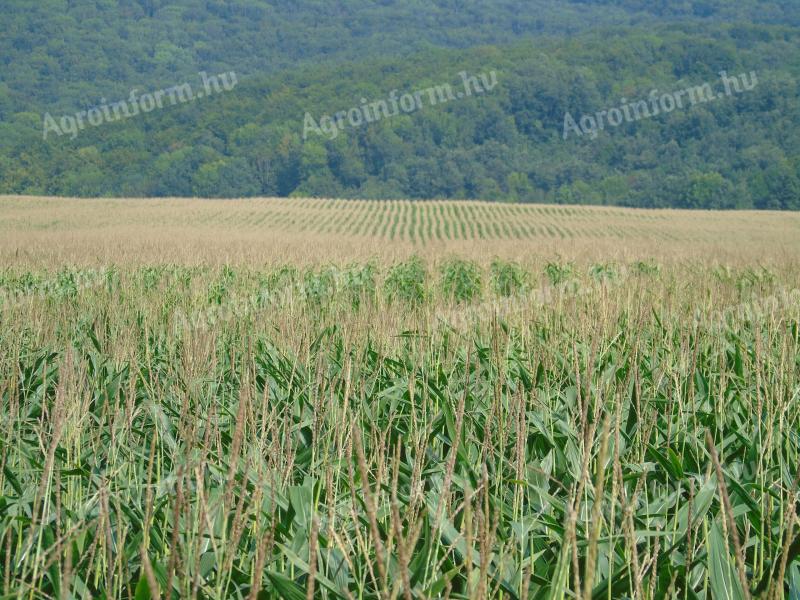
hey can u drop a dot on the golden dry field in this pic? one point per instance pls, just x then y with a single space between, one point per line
51 231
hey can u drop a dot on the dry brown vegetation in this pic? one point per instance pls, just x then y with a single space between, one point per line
48 231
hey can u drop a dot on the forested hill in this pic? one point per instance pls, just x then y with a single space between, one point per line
254 137
63 53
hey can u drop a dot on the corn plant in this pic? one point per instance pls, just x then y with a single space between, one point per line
460 280
406 282
508 278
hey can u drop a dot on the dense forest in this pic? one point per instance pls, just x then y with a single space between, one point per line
300 60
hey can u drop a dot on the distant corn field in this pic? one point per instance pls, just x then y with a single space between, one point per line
189 412
303 230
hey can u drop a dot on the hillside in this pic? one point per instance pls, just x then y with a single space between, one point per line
104 100
740 150
59 54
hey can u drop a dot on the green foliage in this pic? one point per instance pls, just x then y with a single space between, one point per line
359 283
508 278
280 279
558 273
151 277
67 286
603 272
71 55
646 267
319 286
218 290
407 282
723 579
460 280
755 278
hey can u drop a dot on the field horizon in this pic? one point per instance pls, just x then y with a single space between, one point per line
313 231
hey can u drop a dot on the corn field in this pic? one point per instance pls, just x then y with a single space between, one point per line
412 430
46 233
